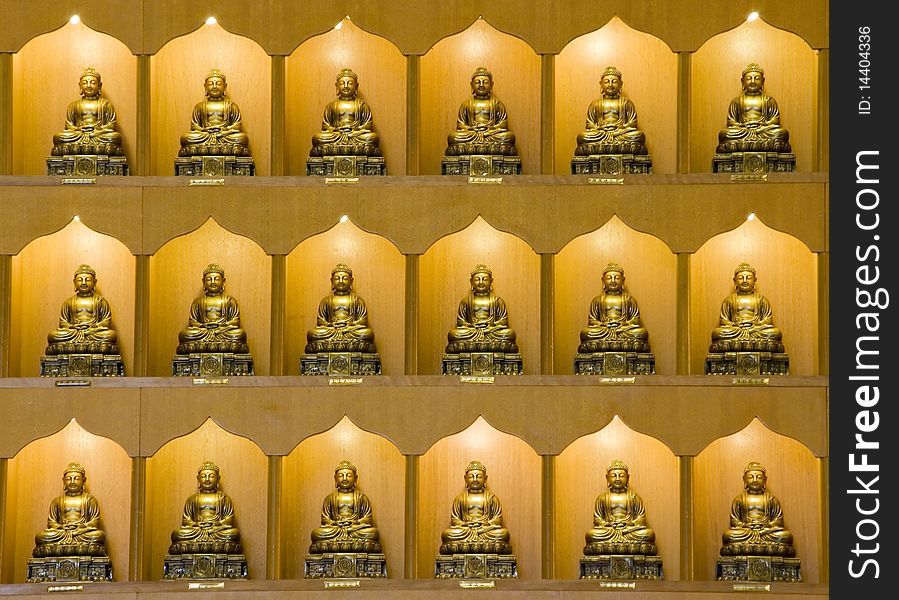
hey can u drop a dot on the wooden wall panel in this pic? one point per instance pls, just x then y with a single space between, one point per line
650 277
42 281
580 479
446 83
311 72
649 78
177 74
172 478
309 478
793 476
786 274
45 81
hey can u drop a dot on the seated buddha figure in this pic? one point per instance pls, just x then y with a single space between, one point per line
347 521
753 118
619 518
207 525
476 524
342 322
746 321
482 126
482 323
347 125
215 124
85 320
614 320
73 526
214 321
90 122
611 122
756 520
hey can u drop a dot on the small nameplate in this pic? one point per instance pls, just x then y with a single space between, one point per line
345 381
73 383
750 381
630 585
211 381
339 180
207 181
65 588
752 587
606 180
350 583
485 180
749 177
476 584
476 378
79 180
617 379
202 585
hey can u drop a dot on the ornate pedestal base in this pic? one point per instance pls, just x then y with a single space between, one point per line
614 363
82 365
212 364
611 164
626 566
753 162
481 165
476 566
482 363
758 568
204 566
215 166
345 565
747 363
345 166
340 363
69 568
87 165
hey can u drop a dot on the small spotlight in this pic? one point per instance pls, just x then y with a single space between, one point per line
344 218
76 218
752 16
339 25
74 20
211 21
751 217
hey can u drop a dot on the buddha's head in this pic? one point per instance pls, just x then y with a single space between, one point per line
482 83
754 478
213 279
347 83
613 278
610 81
475 476
90 83
617 476
341 279
73 479
208 477
481 280
85 280
753 79
215 84
745 278
345 476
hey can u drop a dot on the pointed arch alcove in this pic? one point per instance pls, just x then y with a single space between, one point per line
650 270
513 475
172 478
795 477
34 479
649 79
176 275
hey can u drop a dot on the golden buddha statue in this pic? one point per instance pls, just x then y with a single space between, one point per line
90 122
476 524
214 321
215 124
614 320
756 520
611 122
746 321
347 125
73 526
347 521
482 126
753 118
619 518
482 323
85 320
342 323
207 525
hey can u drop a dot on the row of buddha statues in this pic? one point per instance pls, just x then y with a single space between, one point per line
482 143
620 544
482 342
